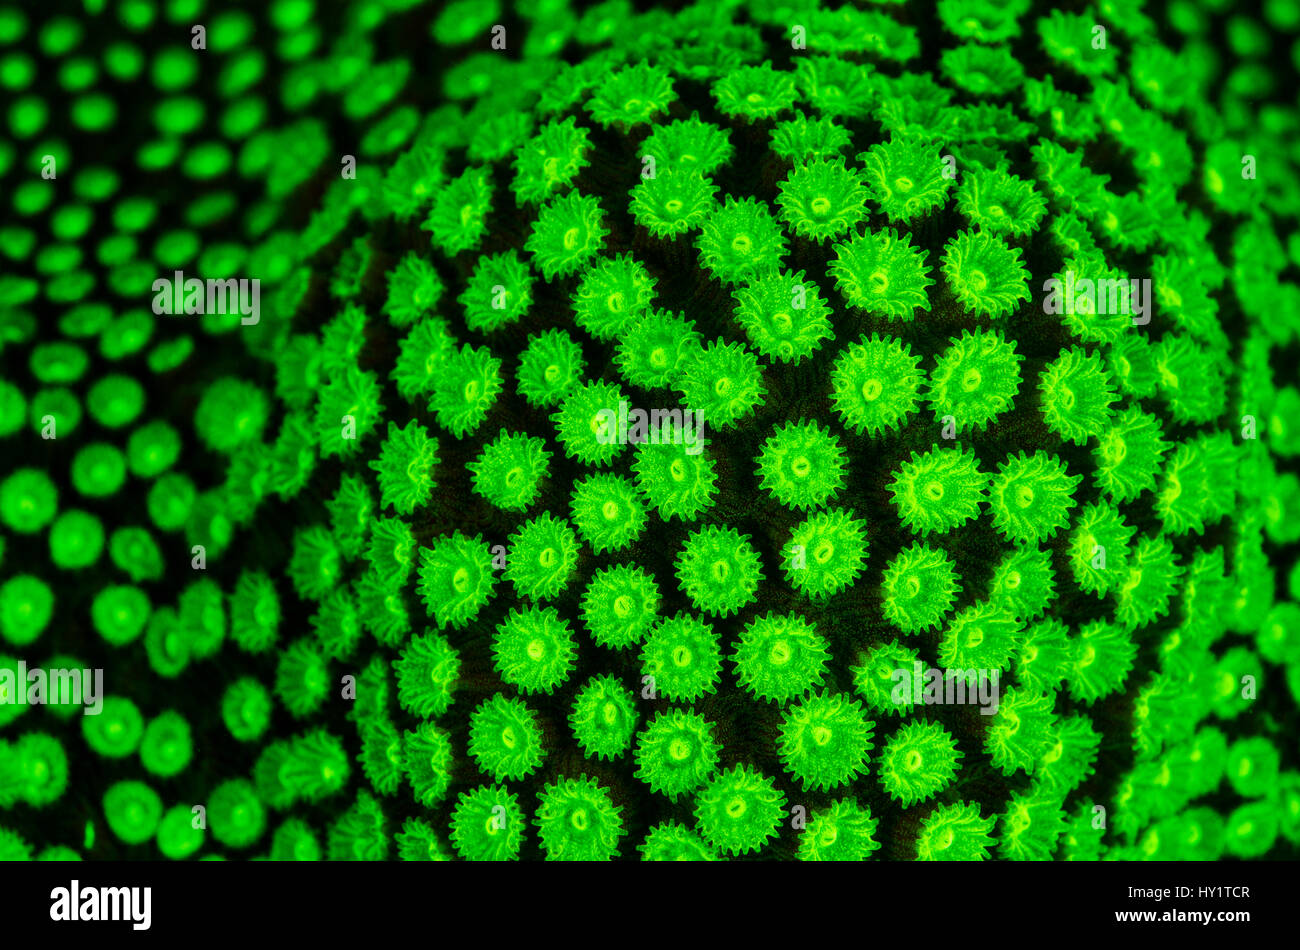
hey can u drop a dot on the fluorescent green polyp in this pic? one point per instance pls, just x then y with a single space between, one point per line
231 412
254 612
98 470
577 422
166 645
533 650
236 816
673 841
801 465
26 607
350 511
120 613
295 841
41 769
549 368
178 836
825 553
359 835
426 675
12 408
843 832
152 449
427 761
405 466
545 555
505 739
603 718
76 540
719 570
509 469
954 832
116 731
620 606
13 847
456 579
28 501
674 481
62 408
608 512
779 657
917 762
310 767
115 401
132 810
682 658
676 753
825 740
739 810
167 745
170 500
316 562
576 821
201 607
134 551
64 705
301 678
487 824
384 760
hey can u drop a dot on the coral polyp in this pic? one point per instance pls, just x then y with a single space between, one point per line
986 275
843 832
544 555
918 762
739 810
876 384
576 821
939 491
820 200
533 649
802 465
548 162
920 586
719 570
1031 496
783 315
741 240
975 380
779 657
569 231
456 579
673 202
676 753
882 272
505 739
603 718
681 659
620 606
905 177
825 740
825 553
955 832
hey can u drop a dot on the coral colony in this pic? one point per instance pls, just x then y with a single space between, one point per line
356 368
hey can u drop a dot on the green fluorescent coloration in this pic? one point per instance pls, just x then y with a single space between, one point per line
167 746
132 810
116 731
471 618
